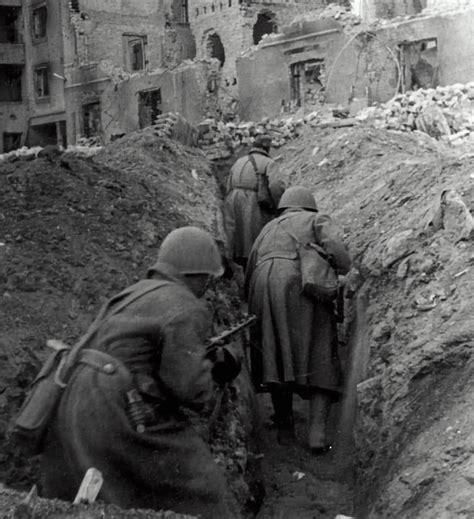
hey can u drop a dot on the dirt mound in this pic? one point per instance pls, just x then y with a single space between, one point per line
405 203
76 230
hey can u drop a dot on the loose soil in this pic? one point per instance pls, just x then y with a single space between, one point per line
77 230
414 248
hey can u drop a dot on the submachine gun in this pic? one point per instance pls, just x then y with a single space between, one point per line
227 361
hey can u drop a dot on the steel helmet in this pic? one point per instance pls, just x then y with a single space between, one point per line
262 140
297 196
191 250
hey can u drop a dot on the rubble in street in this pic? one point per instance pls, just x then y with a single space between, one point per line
445 113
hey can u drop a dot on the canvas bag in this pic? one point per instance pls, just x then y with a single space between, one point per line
29 428
318 278
264 196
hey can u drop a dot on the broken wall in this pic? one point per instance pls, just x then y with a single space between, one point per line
370 10
272 65
118 102
225 29
105 31
450 61
437 50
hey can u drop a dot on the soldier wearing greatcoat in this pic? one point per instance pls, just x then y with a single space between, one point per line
244 214
153 352
295 342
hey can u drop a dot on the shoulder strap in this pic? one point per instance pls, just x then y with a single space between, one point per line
255 167
121 301
313 245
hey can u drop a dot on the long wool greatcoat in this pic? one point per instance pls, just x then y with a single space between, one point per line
243 217
295 340
159 338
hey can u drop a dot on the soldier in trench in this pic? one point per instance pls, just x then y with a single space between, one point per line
154 349
247 208
294 344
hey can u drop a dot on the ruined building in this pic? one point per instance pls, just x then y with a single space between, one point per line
95 68
88 67
420 44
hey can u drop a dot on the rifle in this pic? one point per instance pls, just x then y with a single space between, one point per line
226 336
227 359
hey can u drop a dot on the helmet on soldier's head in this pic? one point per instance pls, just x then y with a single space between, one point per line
191 250
262 140
297 196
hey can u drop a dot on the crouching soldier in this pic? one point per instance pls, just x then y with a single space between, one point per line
295 338
121 411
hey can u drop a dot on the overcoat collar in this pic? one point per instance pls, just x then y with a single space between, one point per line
259 150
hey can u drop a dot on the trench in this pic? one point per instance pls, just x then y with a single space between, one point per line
297 484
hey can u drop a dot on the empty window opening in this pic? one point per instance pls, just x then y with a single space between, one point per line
197 11
419 64
10 83
42 135
42 81
213 8
230 3
11 141
40 21
265 24
10 24
306 81
74 5
91 120
214 48
135 52
205 9
149 107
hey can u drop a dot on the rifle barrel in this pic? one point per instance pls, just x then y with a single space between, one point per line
226 334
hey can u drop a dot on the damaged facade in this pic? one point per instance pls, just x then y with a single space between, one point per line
223 29
360 63
90 68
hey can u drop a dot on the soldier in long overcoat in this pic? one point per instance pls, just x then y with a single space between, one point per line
153 347
244 216
295 343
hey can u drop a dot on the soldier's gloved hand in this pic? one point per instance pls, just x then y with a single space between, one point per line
227 365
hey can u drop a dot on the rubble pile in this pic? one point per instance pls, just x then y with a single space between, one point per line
174 126
341 14
218 140
445 113
84 147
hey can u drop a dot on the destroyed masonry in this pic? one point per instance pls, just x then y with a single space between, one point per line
84 69
368 106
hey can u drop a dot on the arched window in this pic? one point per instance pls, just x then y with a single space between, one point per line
214 47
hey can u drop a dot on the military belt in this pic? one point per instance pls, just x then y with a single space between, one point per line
245 188
103 362
287 255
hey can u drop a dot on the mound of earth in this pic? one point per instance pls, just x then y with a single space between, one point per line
405 204
76 230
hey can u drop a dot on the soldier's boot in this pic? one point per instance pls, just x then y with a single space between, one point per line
319 405
282 400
